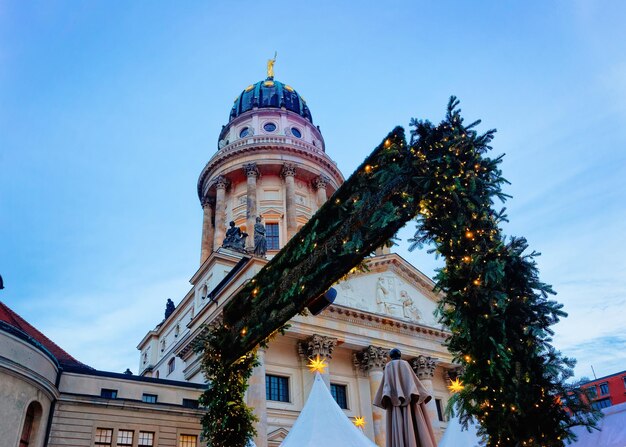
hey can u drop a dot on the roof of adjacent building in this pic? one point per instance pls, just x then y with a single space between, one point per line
8 316
270 94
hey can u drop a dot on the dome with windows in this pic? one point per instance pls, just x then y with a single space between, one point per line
270 94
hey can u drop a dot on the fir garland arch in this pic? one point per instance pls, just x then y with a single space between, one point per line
494 304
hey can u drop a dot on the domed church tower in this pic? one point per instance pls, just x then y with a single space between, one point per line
270 162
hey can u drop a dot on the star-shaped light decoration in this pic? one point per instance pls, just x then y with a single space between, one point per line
317 365
456 385
359 421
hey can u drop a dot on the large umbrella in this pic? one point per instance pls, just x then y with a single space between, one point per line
404 397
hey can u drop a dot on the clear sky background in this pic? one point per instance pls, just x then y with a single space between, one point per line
110 109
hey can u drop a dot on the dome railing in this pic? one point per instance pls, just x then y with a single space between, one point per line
262 140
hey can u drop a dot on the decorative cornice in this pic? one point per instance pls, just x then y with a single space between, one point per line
288 170
251 170
266 146
424 366
371 358
317 345
388 324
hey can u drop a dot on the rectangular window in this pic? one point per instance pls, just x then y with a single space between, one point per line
277 388
272 236
171 365
190 403
146 439
604 388
439 406
125 438
602 403
104 436
149 398
593 391
108 394
339 394
624 379
188 441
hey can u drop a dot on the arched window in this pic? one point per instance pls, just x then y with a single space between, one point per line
31 421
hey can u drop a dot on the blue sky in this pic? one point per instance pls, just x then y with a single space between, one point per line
109 110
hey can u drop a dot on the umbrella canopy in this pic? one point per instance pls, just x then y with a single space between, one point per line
323 423
404 397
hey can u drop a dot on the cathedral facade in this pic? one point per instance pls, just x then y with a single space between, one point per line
271 168
270 171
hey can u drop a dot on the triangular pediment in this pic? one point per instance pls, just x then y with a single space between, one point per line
277 436
392 287
269 212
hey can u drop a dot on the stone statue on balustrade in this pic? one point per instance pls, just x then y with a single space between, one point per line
235 238
260 242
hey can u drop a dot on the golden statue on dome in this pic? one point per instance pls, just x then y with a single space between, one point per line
270 66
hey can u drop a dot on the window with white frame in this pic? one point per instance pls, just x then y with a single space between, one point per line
125 438
104 437
145 439
188 441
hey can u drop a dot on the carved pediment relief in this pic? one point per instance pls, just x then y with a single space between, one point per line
386 293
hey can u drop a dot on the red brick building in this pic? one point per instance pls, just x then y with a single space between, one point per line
608 390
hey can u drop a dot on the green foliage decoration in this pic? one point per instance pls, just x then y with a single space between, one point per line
494 304
228 421
363 214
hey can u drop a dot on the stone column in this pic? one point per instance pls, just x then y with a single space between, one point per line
207 230
289 174
257 399
424 367
318 345
252 172
220 210
371 360
320 187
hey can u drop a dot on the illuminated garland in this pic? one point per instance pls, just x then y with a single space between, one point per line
494 304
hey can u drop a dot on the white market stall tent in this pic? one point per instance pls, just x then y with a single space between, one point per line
612 432
323 423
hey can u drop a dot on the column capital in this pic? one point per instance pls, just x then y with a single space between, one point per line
320 181
221 182
317 345
288 170
251 170
370 358
424 366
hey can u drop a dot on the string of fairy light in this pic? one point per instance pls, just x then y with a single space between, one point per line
493 303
